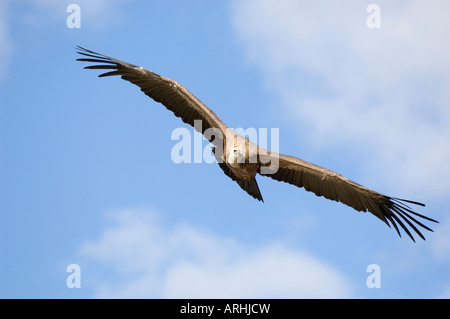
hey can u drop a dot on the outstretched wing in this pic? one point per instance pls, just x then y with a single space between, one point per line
170 93
331 185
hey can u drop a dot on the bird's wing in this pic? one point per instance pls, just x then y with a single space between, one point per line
331 185
170 93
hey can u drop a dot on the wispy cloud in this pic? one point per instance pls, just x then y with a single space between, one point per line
383 92
150 259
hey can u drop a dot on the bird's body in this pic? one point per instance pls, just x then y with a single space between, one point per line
241 160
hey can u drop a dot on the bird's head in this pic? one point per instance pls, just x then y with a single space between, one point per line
236 157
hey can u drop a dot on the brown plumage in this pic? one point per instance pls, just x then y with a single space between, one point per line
241 160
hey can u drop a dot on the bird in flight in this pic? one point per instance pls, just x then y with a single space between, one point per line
240 159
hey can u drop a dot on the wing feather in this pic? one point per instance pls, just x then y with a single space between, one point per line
333 186
170 93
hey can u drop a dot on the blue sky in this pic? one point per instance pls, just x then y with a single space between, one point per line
86 175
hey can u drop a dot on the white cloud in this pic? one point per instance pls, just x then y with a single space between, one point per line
269 272
383 93
144 258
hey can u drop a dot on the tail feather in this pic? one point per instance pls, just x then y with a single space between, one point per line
251 187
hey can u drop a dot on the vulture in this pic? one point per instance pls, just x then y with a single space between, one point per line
240 159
